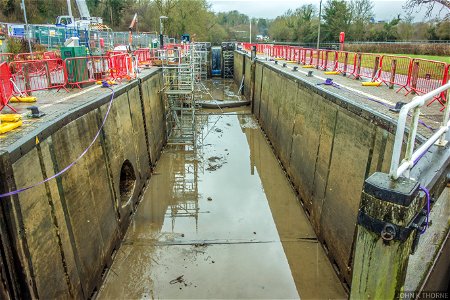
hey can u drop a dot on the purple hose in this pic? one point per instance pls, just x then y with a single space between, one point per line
70 165
427 193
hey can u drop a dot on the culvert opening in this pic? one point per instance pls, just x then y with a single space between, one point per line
127 181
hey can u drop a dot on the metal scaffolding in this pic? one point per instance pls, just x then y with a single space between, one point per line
179 83
185 187
184 70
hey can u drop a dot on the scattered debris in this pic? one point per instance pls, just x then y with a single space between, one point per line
214 158
179 279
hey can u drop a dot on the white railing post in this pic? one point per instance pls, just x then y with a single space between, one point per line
411 156
442 141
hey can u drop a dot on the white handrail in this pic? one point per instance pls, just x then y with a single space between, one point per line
411 156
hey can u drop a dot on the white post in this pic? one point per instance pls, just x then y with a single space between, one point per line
22 5
318 32
69 8
250 30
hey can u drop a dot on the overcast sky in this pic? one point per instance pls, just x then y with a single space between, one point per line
383 9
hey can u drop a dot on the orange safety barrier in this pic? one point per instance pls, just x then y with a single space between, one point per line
6 57
121 66
81 70
426 76
395 70
6 87
36 75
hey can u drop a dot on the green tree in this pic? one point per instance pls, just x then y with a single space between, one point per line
405 29
337 18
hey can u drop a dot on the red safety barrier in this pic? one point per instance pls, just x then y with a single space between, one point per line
121 66
426 76
307 58
36 75
29 56
367 65
110 53
346 62
413 75
296 55
6 87
143 56
395 70
315 59
328 60
81 70
6 57
153 54
50 55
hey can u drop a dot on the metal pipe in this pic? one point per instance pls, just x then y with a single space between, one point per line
69 8
318 31
250 30
22 5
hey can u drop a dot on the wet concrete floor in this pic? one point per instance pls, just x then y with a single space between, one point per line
223 222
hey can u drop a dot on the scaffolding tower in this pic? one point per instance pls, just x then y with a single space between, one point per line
185 188
179 83
228 59
184 70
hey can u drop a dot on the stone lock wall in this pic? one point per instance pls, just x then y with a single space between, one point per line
59 238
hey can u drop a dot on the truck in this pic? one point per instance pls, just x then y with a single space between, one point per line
83 22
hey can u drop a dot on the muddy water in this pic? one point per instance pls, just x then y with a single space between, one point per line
221 89
221 223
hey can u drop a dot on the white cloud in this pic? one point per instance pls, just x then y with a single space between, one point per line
383 9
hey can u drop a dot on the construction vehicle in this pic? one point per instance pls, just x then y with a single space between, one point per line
130 37
85 18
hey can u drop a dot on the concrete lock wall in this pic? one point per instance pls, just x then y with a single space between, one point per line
62 234
327 147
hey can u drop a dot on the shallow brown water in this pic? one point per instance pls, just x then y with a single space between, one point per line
222 223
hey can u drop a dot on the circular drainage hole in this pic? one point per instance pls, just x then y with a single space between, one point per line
127 181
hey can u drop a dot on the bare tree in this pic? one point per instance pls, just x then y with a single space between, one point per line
430 5
362 15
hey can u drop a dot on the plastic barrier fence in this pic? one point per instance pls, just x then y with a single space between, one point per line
395 71
80 70
6 88
426 76
143 56
29 56
345 62
367 65
6 57
50 55
329 60
36 75
120 66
